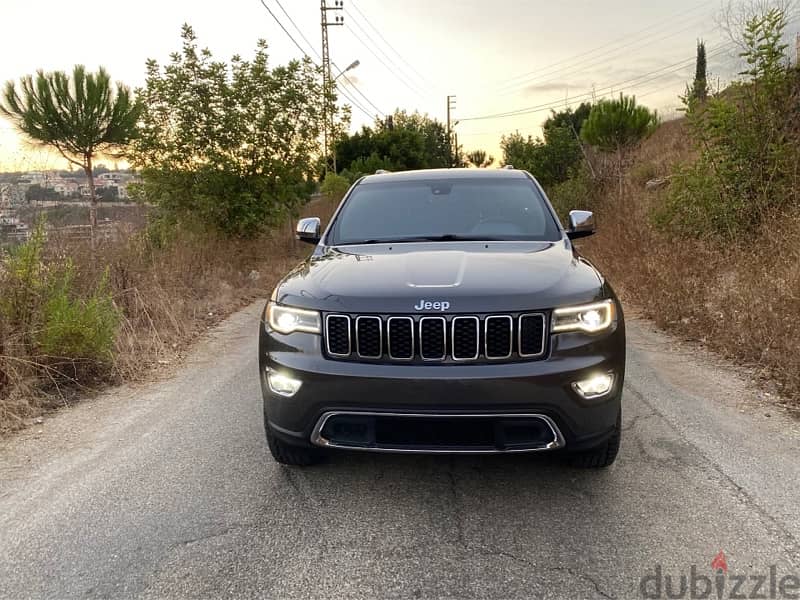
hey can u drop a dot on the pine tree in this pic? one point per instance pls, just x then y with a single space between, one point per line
700 86
81 115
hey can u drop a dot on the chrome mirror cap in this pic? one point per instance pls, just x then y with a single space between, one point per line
308 230
581 224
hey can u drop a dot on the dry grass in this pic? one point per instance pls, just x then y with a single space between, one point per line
741 301
167 297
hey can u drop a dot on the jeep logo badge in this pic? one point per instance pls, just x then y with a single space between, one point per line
428 305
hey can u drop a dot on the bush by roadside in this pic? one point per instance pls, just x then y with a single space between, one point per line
739 298
710 250
71 324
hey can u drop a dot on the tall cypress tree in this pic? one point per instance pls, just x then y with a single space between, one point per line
700 85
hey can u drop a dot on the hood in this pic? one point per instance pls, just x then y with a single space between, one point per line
462 277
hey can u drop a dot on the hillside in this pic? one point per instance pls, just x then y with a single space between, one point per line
737 297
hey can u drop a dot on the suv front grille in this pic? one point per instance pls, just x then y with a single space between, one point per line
499 337
400 340
431 339
337 330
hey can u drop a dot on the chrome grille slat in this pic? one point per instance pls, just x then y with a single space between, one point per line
434 338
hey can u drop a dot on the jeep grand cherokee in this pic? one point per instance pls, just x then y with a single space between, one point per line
444 311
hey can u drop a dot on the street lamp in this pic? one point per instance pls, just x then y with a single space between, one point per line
349 67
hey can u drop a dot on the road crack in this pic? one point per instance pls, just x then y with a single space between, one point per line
773 525
458 513
575 574
211 535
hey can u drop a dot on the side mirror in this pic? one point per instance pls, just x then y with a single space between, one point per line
308 230
581 224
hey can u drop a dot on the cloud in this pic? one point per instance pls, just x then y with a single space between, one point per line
555 86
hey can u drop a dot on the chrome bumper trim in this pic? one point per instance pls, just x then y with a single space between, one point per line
318 440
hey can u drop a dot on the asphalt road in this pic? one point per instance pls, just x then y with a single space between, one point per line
167 490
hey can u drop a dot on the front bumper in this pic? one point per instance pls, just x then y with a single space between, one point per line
540 388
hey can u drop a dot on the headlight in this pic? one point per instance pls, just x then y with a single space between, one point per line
590 318
285 319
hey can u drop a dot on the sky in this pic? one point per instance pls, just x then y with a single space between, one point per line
507 56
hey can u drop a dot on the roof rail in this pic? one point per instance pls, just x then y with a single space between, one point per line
382 172
509 167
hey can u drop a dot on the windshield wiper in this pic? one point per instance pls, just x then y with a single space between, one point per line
457 237
448 237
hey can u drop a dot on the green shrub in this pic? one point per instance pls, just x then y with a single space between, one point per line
551 160
367 166
747 144
23 275
335 185
77 328
574 193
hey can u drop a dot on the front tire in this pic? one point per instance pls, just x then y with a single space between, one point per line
288 454
601 456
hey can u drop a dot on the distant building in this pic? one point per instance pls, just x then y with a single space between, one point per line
110 179
34 178
65 187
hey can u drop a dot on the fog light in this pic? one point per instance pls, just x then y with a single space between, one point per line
281 384
597 386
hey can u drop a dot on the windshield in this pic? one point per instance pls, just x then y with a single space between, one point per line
445 210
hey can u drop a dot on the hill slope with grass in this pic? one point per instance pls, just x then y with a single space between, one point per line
738 296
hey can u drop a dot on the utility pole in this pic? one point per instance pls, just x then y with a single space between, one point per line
327 80
451 105
797 47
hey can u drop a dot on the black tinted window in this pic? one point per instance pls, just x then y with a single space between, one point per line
499 209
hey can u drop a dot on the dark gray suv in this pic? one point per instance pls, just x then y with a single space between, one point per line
444 311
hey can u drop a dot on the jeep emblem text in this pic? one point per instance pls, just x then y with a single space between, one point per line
428 305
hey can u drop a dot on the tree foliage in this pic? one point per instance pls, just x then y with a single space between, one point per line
479 159
552 158
549 159
572 119
747 142
81 116
699 89
617 125
233 145
405 141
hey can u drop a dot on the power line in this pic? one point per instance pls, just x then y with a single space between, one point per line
612 88
392 48
595 60
387 62
286 31
601 47
574 101
360 93
355 103
300 31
